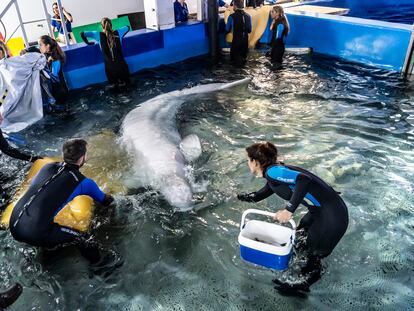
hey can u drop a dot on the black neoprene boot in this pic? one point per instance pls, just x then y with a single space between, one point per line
10 295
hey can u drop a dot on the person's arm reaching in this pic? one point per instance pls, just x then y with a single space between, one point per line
67 15
90 188
257 196
90 34
14 153
123 31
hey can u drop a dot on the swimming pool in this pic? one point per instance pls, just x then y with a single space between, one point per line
352 125
387 11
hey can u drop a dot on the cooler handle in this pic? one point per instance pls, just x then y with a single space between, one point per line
260 212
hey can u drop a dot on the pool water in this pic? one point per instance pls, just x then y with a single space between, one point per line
351 125
392 12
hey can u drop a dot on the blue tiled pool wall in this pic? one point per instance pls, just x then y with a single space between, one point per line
376 43
142 49
396 11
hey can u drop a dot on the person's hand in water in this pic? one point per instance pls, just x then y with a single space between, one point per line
283 216
246 197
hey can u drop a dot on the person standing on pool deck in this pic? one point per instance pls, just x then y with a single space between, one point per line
241 24
57 24
110 41
327 218
280 29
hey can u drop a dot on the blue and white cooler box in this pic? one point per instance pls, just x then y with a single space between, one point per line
264 243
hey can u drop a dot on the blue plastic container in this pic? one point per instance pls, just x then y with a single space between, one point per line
266 244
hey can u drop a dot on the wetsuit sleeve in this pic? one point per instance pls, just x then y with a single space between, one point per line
90 34
55 70
249 23
10 151
90 188
257 196
229 24
280 29
302 187
123 31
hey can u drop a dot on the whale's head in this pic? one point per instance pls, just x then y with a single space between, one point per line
178 193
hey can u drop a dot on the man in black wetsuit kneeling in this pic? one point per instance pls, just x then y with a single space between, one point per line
56 184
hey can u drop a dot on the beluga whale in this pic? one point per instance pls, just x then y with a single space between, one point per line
160 155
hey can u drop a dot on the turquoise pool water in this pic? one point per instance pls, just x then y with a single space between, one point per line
352 125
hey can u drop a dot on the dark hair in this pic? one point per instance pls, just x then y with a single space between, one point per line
73 150
238 4
55 52
107 29
265 153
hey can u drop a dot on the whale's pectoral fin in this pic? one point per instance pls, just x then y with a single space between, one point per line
191 147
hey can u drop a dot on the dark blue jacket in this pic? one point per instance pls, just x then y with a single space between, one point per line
180 12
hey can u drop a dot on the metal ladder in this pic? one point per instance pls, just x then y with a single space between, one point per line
408 68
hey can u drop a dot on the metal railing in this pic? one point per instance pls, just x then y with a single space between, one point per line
408 67
22 24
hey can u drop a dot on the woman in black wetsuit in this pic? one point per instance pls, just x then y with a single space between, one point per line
280 29
327 218
116 68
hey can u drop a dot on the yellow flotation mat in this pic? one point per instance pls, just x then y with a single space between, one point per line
77 214
260 18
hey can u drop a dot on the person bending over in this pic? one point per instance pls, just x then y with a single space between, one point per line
54 78
327 218
241 24
110 41
56 184
280 29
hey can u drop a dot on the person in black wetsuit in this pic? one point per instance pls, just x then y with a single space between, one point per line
110 41
280 29
14 153
11 294
55 79
241 24
56 184
327 218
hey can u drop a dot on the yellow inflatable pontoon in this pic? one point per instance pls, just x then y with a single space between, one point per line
77 214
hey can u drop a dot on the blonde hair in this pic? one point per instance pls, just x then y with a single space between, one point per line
283 19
